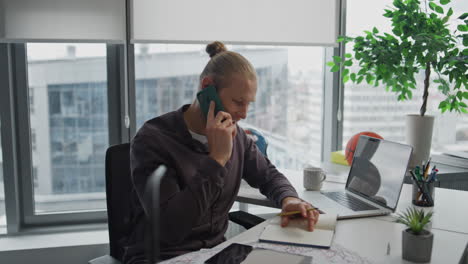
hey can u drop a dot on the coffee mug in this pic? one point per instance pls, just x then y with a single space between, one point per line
314 178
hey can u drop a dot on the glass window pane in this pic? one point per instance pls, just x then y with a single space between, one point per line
2 190
368 108
69 131
288 104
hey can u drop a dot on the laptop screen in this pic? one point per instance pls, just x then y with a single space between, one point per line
378 170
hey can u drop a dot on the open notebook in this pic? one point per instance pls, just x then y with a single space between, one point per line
296 232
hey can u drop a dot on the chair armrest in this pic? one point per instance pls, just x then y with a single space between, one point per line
106 259
245 219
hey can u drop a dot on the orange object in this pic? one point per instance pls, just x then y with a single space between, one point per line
351 145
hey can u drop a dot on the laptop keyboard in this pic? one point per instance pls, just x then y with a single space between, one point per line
349 201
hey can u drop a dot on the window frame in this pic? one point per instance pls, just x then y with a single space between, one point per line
121 96
19 201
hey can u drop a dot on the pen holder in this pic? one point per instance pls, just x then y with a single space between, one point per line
423 193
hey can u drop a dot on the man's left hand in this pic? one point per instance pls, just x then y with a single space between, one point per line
290 204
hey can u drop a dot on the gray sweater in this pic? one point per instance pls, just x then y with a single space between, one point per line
196 192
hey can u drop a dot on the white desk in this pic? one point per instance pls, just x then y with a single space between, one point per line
450 206
369 237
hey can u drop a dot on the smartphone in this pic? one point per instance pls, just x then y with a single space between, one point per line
207 95
233 254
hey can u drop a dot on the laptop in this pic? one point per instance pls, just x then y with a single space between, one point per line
374 182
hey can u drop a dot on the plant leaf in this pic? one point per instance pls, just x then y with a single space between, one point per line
337 59
444 2
450 12
335 68
345 78
462 28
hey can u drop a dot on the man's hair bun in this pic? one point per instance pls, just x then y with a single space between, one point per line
215 48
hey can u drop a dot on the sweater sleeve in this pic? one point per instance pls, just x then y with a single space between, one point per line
260 173
180 208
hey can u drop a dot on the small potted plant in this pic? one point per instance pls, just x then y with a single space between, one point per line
416 241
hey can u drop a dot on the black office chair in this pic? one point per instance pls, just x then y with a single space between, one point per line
118 189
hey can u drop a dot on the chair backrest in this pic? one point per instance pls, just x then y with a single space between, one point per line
259 139
118 189
151 205
464 257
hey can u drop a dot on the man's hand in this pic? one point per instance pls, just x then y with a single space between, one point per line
220 130
290 204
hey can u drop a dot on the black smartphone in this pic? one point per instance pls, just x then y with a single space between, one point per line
233 254
207 95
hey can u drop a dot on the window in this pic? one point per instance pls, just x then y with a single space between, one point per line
69 128
289 96
373 109
2 190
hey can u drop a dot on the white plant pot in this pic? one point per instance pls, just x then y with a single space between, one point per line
419 136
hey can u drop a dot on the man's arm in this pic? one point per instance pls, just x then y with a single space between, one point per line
181 208
260 173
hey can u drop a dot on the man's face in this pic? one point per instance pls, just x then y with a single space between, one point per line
237 95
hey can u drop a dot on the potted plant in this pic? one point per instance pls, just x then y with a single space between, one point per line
416 241
421 40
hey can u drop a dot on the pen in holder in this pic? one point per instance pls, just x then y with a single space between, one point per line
423 185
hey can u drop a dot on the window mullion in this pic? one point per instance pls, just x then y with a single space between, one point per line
24 157
10 165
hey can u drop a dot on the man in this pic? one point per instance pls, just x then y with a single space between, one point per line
206 156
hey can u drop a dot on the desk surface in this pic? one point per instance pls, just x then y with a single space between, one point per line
450 209
366 238
370 237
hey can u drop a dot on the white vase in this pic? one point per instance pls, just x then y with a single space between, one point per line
419 136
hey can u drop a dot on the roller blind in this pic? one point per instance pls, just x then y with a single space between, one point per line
62 20
291 22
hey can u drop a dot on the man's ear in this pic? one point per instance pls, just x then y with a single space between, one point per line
206 81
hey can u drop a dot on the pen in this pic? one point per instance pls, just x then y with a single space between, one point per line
416 171
298 212
433 176
426 169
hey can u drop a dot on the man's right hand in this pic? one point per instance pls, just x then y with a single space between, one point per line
220 130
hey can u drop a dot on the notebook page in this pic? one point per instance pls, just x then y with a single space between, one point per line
326 221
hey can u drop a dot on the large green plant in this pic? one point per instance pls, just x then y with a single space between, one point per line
420 40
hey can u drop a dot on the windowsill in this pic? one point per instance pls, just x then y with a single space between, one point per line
55 237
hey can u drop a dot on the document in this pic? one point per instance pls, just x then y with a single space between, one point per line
296 232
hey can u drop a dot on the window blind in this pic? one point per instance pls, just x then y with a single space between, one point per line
62 20
289 22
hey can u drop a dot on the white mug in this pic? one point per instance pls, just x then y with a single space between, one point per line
314 178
